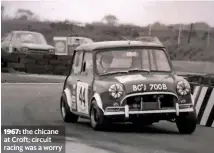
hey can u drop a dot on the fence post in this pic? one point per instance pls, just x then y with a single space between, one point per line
190 32
208 36
179 35
150 29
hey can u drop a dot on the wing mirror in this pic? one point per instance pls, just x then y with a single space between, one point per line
84 66
84 72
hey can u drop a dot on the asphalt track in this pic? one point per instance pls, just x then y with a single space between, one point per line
38 104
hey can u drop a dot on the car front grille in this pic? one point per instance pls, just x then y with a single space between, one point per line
38 51
150 101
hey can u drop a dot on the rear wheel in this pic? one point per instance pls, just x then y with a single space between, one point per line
187 124
66 114
97 117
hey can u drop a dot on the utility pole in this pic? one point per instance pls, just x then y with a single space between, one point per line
179 35
190 32
150 29
208 36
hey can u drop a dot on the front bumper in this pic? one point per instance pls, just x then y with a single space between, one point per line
126 112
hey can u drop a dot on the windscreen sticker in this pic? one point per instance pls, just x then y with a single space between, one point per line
131 54
129 78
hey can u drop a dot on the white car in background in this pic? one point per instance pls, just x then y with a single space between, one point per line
75 41
149 39
26 42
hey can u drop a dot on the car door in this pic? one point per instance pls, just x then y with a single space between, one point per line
84 84
71 82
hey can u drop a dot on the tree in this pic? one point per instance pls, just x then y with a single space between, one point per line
24 14
110 19
2 11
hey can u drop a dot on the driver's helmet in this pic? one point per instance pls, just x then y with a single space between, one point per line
107 59
104 61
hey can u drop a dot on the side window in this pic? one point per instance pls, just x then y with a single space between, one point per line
8 37
87 64
77 63
159 61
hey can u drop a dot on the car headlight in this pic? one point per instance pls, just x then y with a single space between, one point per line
24 49
183 87
116 90
51 51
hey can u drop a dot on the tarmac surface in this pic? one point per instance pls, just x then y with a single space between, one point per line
38 104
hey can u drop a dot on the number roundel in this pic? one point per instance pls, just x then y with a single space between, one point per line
82 97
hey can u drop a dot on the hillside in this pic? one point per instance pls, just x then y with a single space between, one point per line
195 50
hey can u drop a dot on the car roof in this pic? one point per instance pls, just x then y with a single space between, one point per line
116 44
79 37
19 31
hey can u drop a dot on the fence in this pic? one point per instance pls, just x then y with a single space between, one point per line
181 33
37 64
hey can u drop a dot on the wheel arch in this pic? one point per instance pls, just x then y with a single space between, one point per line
96 97
67 95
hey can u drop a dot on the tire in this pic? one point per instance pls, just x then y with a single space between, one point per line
187 124
66 114
98 121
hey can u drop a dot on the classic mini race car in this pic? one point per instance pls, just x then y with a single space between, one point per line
126 81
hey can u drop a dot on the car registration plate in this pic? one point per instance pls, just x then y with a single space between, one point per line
150 106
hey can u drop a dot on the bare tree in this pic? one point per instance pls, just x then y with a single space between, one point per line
2 11
110 19
190 32
25 14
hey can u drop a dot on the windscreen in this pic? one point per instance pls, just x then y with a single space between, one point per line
129 59
30 38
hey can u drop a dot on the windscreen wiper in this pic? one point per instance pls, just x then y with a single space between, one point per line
139 70
114 72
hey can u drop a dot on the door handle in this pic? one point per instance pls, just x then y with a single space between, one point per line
78 79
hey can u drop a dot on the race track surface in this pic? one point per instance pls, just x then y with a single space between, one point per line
38 104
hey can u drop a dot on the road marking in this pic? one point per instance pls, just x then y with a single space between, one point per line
72 139
200 99
208 109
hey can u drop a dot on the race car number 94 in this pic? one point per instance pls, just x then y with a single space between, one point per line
150 87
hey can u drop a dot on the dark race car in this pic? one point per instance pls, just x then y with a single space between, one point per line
120 81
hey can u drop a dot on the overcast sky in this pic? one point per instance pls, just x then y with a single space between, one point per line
139 12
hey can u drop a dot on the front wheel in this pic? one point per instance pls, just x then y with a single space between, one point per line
97 118
67 115
187 124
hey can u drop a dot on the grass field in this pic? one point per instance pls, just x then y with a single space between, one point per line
194 67
30 78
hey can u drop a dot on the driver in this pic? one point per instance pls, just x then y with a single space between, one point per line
104 63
